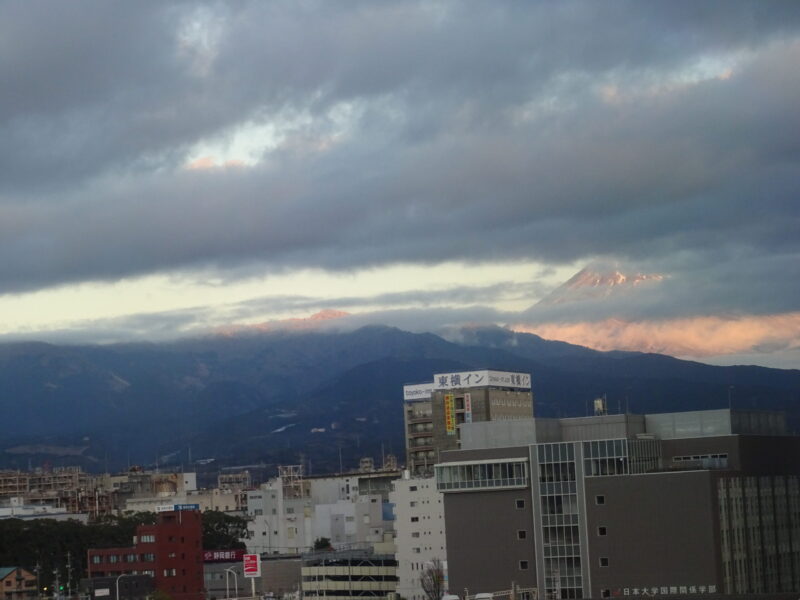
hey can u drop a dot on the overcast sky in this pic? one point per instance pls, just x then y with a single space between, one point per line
170 167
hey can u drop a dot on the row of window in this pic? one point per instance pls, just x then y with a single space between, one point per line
117 558
510 473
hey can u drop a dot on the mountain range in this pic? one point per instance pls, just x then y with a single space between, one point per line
269 397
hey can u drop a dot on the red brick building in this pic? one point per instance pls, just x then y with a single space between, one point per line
170 551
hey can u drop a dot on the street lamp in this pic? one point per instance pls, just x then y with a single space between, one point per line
116 583
236 579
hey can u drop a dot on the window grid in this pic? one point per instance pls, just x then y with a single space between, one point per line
560 529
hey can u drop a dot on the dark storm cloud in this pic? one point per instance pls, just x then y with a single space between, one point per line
554 131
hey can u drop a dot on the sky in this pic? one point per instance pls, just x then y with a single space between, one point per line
173 168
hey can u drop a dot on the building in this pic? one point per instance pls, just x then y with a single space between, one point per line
170 552
433 412
419 533
16 508
360 572
17 583
223 574
126 587
288 513
67 489
676 504
281 575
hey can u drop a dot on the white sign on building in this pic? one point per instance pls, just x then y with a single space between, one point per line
419 391
473 379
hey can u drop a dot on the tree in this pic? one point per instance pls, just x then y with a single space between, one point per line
432 579
322 543
223 532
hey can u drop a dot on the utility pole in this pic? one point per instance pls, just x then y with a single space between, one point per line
69 575
36 570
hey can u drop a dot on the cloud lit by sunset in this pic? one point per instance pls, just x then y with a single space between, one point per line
695 337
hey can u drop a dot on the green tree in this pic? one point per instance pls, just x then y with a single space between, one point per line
322 543
222 531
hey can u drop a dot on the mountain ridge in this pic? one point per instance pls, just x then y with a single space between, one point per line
224 396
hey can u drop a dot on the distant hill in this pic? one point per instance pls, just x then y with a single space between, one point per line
282 397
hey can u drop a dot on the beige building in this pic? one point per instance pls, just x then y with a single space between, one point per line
433 412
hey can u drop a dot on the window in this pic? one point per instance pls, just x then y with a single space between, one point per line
412 488
603 561
414 519
600 500
412 504
522 534
520 503
145 539
96 559
605 593
169 572
523 565
112 558
601 530
415 550
415 534
149 557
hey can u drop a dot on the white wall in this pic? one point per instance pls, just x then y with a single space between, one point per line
421 540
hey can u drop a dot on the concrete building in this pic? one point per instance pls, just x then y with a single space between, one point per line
16 508
675 504
130 587
419 533
170 551
281 575
223 500
68 489
361 572
288 513
434 412
224 578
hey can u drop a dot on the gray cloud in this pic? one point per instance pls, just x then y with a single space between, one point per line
555 131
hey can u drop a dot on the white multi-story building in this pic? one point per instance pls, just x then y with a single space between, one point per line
419 533
288 513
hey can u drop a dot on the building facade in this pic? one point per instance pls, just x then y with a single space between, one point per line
348 573
170 552
288 513
434 412
17 583
419 533
629 505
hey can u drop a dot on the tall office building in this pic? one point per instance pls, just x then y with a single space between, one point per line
677 504
434 412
